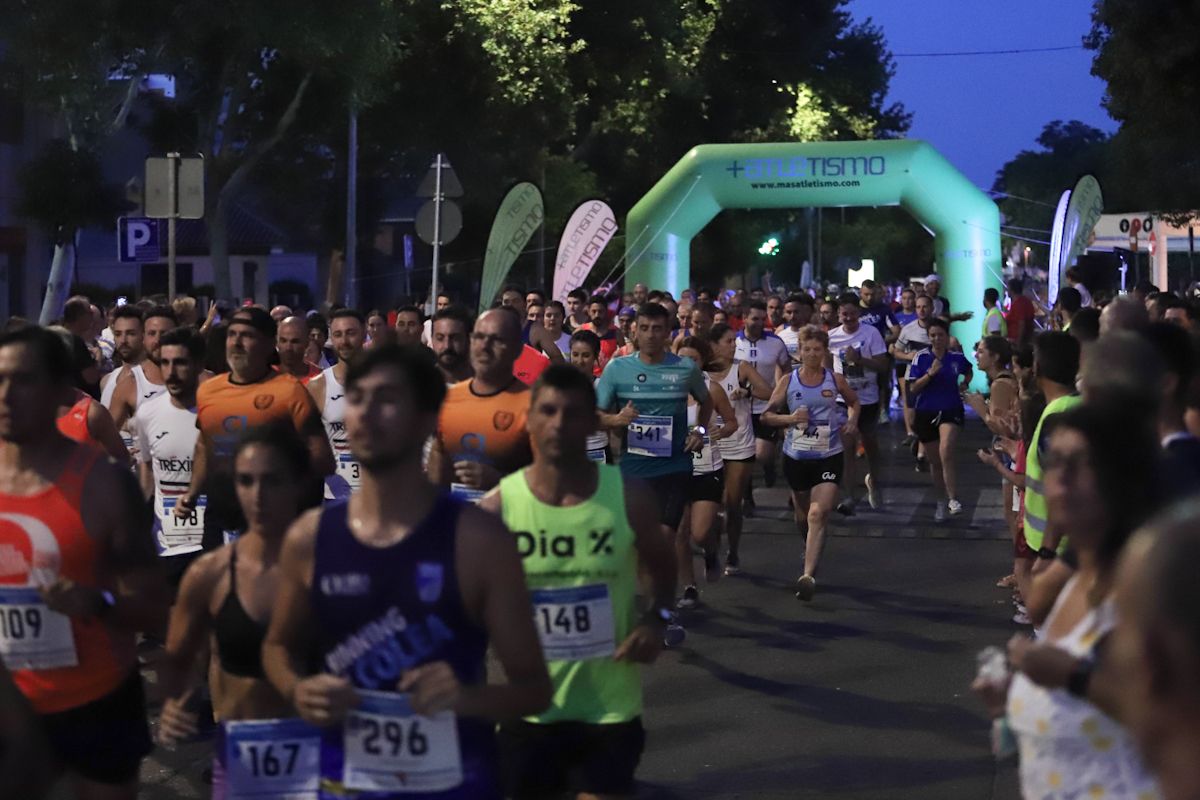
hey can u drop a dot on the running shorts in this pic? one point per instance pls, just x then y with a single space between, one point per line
707 487
672 493
803 475
927 424
545 761
104 740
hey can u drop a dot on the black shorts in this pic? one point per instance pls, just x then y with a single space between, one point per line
672 493
802 476
539 761
104 740
868 418
761 431
927 424
710 487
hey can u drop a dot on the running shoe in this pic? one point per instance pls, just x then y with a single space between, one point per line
712 567
860 451
806 587
732 564
954 507
909 440
673 636
873 498
884 417
922 464
690 598
846 508
939 513
1022 615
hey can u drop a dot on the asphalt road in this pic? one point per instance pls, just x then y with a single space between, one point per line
861 693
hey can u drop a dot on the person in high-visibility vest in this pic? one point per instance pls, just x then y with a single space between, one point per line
993 317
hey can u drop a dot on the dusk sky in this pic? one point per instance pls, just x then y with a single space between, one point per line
981 110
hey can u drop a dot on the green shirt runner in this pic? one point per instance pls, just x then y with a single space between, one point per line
581 567
655 440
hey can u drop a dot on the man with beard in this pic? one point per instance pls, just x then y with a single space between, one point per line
347 331
577 309
797 313
143 381
408 325
481 434
166 446
249 395
127 345
450 342
291 341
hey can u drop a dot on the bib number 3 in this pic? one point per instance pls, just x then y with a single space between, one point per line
388 748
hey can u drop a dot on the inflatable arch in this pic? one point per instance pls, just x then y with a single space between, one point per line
964 221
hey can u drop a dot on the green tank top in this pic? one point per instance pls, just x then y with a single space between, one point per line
581 568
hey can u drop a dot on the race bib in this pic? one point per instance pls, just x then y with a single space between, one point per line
702 459
574 623
388 748
177 535
650 437
274 759
349 469
811 439
31 635
596 444
464 492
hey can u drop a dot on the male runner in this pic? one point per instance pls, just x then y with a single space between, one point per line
600 324
291 340
584 582
774 313
768 354
444 300
554 317
481 435
914 337
347 331
646 393
166 449
797 313
859 355
878 314
388 603
74 587
409 325
450 341
577 309
143 381
127 334
249 395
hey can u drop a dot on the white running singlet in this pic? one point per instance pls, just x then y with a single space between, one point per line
764 355
167 441
740 446
348 476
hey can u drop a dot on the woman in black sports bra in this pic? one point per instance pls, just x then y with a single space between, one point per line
226 595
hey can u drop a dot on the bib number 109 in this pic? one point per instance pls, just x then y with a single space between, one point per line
20 623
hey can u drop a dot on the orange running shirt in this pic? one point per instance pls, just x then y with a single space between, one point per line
74 423
58 662
224 409
487 428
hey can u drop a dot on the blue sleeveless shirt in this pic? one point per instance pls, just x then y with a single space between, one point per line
823 435
379 611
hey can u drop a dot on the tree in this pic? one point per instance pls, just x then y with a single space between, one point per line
1146 53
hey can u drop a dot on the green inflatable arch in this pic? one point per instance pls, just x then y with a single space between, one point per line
964 221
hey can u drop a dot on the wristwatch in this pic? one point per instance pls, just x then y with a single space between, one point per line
1080 678
700 429
1047 553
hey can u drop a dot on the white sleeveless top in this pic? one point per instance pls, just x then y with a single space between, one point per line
1069 748
708 460
348 477
146 391
741 445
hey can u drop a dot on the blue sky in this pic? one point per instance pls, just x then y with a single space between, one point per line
980 111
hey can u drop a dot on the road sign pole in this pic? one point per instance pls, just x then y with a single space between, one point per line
173 191
437 232
350 278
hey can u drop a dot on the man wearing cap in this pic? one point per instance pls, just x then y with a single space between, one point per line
250 395
941 306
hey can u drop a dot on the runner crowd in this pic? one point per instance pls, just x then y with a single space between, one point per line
393 556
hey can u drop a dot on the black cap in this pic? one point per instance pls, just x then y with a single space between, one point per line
256 318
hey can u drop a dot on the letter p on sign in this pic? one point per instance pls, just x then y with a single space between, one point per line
137 240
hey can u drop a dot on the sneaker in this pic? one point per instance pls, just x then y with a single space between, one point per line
922 464
674 635
712 567
884 417
806 587
909 440
939 513
1022 616
954 507
873 498
690 598
846 508
732 564
860 451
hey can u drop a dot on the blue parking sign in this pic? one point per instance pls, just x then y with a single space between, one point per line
137 240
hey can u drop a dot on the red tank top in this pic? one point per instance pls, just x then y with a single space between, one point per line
58 663
74 423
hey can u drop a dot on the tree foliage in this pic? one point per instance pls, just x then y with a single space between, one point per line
1146 53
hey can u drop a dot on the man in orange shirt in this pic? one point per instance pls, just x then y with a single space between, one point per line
481 431
249 395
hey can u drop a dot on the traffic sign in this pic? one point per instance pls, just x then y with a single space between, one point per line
187 201
137 240
451 186
451 221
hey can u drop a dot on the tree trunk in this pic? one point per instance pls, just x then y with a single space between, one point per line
218 249
62 273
